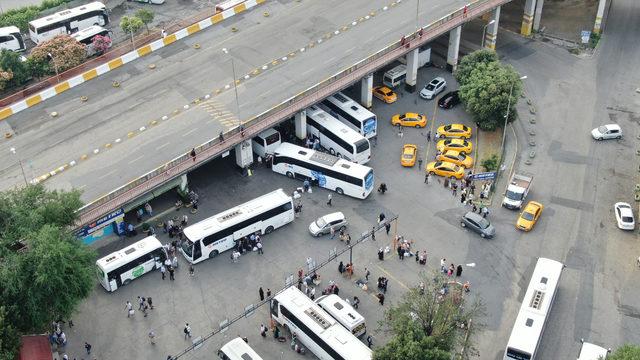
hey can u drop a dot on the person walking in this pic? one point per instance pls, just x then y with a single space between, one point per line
152 337
87 347
261 293
150 302
387 227
369 341
380 298
463 197
145 307
446 182
187 331
443 264
341 268
367 273
459 271
332 231
193 154
171 271
129 309
259 246
268 293
356 302
148 209
192 270
263 330
163 270
141 302
329 199
373 233
429 136
312 293
380 254
427 177
485 211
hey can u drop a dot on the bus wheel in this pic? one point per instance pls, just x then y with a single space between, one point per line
332 152
213 254
339 155
126 282
268 230
289 174
339 191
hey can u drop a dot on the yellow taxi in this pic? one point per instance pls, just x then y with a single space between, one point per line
456 157
445 169
409 119
529 216
385 94
454 131
460 145
409 154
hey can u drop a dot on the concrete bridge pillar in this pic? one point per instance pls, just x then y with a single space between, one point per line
527 17
491 34
454 49
597 27
538 15
412 70
301 125
366 88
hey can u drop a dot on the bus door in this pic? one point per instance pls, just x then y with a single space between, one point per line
197 251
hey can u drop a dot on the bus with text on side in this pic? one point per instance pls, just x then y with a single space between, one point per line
11 39
351 113
208 238
338 138
121 267
329 172
68 21
86 36
344 313
237 349
534 311
315 329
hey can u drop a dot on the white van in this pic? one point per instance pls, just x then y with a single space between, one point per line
344 313
266 142
395 76
11 39
592 352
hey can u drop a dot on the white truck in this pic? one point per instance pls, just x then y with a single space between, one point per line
424 57
517 191
590 351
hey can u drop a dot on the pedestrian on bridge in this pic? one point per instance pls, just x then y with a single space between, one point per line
193 154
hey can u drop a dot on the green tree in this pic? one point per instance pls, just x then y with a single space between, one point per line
10 61
131 25
469 63
146 16
626 352
428 325
485 93
50 273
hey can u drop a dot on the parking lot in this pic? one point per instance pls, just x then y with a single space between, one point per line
428 215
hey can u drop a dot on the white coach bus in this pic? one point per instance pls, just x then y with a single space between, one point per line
68 21
330 172
318 331
338 138
121 267
344 313
208 238
237 349
534 311
352 114
86 36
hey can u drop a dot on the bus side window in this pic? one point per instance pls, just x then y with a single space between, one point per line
197 250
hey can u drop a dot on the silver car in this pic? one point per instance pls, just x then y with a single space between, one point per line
323 224
478 224
433 88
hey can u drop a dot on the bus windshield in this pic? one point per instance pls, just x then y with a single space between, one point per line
362 145
187 247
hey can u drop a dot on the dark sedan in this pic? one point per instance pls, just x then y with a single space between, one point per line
449 100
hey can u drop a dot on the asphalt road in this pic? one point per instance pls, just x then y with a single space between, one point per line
183 74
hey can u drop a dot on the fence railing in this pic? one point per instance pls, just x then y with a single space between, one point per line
287 108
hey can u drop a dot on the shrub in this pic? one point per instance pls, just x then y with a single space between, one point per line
65 51
101 43
490 163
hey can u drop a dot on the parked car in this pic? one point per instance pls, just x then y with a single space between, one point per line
449 100
461 145
606 132
624 216
323 224
478 224
454 131
409 119
433 88
456 157
409 154
385 94
445 169
529 216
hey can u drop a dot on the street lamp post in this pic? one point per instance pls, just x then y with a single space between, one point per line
484 31
55 66
13 151
506 118
235 88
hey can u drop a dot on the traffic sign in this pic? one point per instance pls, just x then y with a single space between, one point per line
483 176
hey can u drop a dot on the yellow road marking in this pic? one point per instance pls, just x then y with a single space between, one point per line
392 277
433 121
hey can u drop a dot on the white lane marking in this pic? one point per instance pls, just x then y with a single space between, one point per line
163 145
107 174
136 159
189 132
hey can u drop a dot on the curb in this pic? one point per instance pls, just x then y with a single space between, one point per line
126 58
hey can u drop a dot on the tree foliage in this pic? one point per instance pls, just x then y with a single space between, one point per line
66 53
10 62
101 43
485 86
131 25
20 17
5 78
146 16
9 339
428 325
626 352
52 272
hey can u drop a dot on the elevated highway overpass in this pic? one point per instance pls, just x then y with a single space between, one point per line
137 136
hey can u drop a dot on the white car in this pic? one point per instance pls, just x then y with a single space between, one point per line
323 224
606 132
624 216
433 88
